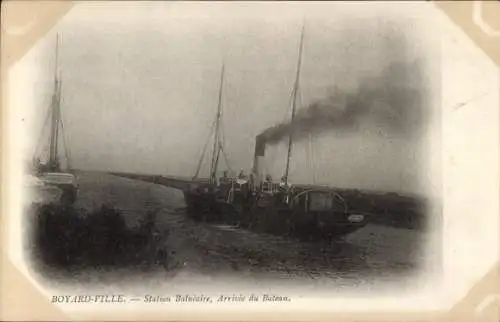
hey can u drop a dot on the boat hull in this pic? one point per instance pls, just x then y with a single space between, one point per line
274 218
66 182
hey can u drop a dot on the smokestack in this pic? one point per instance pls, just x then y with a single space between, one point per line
260 151
260 146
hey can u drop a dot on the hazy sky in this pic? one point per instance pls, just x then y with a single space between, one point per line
140 85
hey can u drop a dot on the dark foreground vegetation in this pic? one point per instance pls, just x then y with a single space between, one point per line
68 238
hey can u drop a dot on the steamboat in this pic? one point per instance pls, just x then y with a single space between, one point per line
258 203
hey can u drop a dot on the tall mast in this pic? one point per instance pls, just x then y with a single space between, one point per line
217 147
294 105
54 133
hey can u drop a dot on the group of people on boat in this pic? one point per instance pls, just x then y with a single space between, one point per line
242 176
242 188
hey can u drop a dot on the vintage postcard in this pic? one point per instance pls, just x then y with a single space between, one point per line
174 160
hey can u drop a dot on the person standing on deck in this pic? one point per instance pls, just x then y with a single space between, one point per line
283 184
283 189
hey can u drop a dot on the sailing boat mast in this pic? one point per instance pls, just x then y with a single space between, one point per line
217 145
294 106
56 100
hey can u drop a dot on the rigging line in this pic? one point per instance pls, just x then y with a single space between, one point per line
219 150
65 140
65 143
306 145
216 151
226 159
56 112
37 147
204 152
200 162
222 143
217 159
309 146
222 130
221 146
221 126
288 106
213 167
294 103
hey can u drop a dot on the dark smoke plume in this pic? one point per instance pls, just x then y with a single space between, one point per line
388 101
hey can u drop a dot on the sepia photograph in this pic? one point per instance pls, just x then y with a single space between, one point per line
195 149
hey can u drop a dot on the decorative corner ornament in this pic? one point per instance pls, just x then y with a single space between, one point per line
488 302
477 17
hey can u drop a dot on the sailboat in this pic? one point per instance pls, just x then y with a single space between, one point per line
262 205
207 194
51 173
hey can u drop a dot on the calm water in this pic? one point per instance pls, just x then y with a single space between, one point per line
204 255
